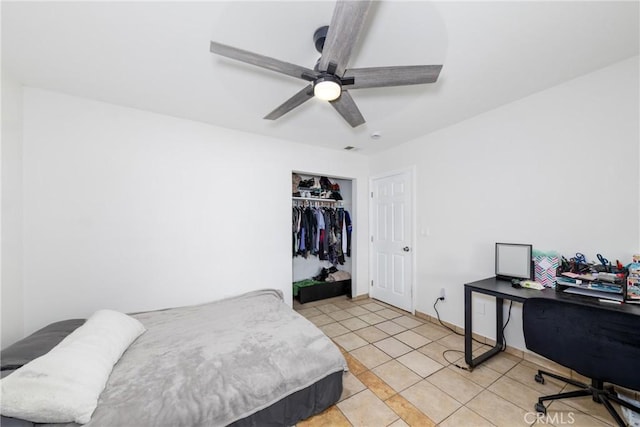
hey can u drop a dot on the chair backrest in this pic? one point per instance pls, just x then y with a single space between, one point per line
599 343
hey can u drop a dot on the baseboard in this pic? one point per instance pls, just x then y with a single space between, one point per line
360 297
485 340
523 354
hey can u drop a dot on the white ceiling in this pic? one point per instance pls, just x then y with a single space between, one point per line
155 56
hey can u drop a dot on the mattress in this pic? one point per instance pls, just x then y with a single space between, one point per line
243 361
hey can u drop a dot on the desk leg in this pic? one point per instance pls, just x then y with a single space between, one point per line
468 333
468 328
499 323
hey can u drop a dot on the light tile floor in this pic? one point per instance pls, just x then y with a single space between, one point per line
401 372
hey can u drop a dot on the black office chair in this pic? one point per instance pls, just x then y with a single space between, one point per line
601 344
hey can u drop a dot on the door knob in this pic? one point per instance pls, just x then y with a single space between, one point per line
406 249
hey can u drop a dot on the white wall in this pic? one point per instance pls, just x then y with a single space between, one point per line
558 169
132 210
11 295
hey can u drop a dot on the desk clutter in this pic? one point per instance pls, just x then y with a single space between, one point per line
600 279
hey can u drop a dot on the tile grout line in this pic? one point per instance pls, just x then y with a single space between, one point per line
395 393
398 393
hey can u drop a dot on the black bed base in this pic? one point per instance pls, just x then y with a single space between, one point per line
324 291
297 406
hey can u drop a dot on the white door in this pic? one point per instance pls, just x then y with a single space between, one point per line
391 238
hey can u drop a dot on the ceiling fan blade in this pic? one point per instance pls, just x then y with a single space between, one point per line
346 106
261 61
393 76
291 103
344 29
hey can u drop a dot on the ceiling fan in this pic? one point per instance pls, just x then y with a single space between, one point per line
330 79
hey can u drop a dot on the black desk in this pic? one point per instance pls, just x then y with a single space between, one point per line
502 289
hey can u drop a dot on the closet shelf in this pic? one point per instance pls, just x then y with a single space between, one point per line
316 199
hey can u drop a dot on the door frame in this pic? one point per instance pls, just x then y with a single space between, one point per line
411 170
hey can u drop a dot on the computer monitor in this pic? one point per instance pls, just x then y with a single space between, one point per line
514 261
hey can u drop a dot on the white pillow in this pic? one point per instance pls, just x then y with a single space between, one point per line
63 386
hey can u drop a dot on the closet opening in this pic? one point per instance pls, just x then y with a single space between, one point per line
323 236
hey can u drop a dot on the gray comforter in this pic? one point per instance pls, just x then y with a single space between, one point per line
212 364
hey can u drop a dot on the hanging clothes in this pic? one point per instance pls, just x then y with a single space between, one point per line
295 223
347 221
312 230
341 236
319 244
322 232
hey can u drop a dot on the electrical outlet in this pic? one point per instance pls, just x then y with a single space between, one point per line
442 295
479 308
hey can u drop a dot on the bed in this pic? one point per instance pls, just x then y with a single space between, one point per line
243 361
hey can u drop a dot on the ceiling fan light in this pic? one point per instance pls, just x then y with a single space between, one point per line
327 88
